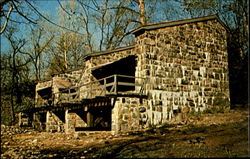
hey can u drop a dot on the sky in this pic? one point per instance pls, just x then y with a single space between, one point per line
43 6
50 7
46 7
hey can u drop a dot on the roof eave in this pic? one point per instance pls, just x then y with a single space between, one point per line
108 52
179 22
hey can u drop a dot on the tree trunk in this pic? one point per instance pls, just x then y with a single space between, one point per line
13 91
65 59
142 12
12 106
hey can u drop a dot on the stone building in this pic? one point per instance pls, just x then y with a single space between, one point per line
172 66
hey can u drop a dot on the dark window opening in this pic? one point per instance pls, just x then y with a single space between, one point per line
45 93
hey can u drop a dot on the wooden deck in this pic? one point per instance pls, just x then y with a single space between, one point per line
96 93
111 86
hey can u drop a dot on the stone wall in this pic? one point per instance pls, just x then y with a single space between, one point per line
63 80
187 66
73 120
53 122
72 76
39 101
126 114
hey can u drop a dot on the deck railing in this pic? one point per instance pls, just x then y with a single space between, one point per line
111 85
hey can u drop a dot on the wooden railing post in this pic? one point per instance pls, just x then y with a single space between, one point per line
90 90
78 93
115 82
105 86
68 95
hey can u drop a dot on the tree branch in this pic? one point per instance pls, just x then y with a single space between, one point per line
7 20
83 4
63 8
38 13
24 16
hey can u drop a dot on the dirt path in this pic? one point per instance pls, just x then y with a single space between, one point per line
206 135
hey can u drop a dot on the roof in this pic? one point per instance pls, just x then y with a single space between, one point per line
109 51
62 83
178 22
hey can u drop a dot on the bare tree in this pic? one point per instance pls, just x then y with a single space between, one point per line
107 18
39 42
15 7
16 65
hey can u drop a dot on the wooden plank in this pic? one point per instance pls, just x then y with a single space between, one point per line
125 84
110 84
135 95
71 94
111 76
125 76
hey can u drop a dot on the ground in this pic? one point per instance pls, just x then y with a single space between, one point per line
205 135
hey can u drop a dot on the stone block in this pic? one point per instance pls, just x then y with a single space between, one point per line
133 115
142 109
125 111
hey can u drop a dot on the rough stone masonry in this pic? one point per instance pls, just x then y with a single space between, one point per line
175 65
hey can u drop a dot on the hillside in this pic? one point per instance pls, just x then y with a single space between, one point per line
205 135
